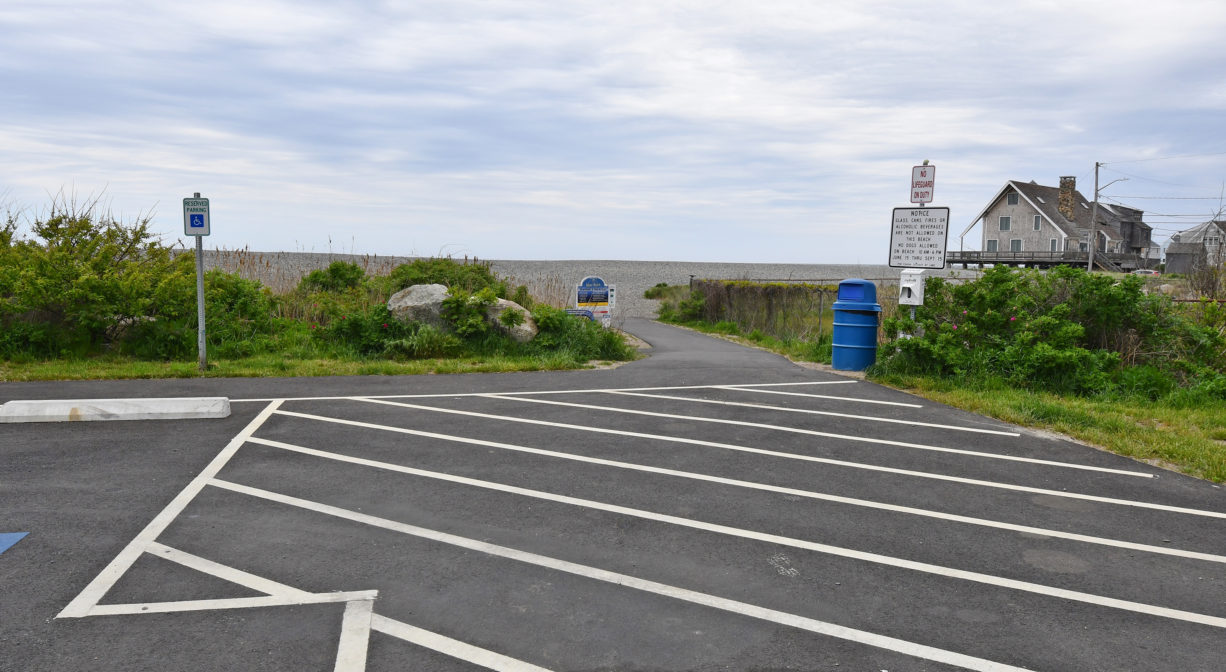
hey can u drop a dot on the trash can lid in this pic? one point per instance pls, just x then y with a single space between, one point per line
855 289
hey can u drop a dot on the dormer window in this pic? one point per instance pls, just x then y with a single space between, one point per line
1012 198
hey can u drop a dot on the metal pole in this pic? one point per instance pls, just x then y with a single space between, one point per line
1093 222
203 359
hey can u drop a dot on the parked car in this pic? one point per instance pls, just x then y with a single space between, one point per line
1145 271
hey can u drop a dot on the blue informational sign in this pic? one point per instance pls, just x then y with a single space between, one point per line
578 312
593 292
197 221
596 298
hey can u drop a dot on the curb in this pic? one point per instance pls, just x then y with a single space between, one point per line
79 410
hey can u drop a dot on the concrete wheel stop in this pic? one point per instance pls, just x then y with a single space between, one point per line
78 410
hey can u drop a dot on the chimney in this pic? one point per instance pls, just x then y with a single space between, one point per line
1068 198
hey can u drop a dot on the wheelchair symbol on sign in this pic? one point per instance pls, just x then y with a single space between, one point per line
196 221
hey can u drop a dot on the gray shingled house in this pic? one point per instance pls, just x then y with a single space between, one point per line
1030 217
1204 243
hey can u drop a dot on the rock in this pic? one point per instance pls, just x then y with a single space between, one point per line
424 303
420 303
520 333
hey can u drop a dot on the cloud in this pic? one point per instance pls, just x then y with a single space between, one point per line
735 131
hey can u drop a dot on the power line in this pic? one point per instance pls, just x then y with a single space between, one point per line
1164 158
1147 179
1171 198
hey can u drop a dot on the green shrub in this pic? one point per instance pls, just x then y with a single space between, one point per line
691 309
1064 330
338 276
424 342
470 277
78 284
511 318
580 339
365 333
237 315
656 292
466 311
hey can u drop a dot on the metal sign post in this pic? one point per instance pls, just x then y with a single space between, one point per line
196 223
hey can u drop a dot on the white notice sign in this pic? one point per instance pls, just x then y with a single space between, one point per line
923 180
918 237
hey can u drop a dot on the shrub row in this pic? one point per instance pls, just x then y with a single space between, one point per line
84 284
1063 330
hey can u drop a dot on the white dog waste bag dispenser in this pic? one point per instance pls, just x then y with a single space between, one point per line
911 287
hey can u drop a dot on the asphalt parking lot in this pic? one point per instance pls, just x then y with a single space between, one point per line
711 507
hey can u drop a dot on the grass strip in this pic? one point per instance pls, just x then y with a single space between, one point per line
272 365
1188 439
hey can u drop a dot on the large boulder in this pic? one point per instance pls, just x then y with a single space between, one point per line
420 303
424 303
520 333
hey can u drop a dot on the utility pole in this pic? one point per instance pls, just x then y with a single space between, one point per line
1093 222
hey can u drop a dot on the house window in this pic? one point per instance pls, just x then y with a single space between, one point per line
992 245
1012 198
1055 245
1038 222
1004 223
1081 247
1015 245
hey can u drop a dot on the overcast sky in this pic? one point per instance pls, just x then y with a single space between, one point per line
712 130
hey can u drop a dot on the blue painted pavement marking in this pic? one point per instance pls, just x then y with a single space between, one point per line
7 539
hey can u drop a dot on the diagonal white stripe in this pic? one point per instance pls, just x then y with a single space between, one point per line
715 602
785 409
80 605
825 460
761 390
813 432
876 558
1163 550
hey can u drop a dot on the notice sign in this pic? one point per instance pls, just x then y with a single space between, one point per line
918 237
196 216
923 179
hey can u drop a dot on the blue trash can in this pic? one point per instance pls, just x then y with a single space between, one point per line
855 325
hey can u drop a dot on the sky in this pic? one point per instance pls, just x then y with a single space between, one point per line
711 130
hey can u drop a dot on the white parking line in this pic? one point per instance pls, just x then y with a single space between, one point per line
809 432
864 556
355 619
535 392
927 513
224 572
451 647
625 580
840 463
760 390
785 409
81 605
227 603
355 636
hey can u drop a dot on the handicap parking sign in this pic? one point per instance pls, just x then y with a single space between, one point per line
196 216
